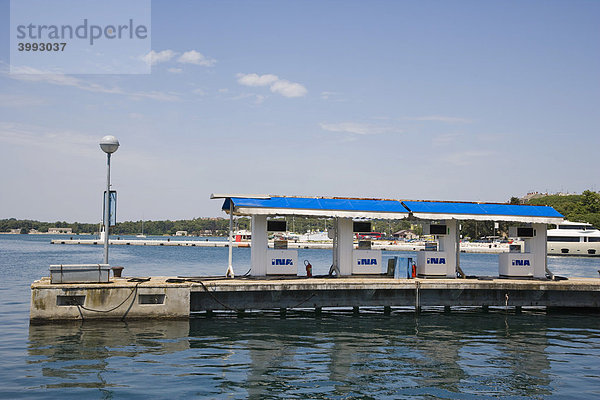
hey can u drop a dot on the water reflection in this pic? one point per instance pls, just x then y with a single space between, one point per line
466 354
473 353
78 354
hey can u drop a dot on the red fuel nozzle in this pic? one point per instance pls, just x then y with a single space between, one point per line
308 268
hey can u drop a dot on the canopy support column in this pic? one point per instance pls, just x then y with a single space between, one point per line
345 245
334 262
259 247
540 251
229 272
450 244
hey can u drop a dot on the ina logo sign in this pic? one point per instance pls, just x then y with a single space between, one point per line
367 261
282 261
436 260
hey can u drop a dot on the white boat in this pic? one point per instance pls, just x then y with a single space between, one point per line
315 236
142 234
574 239
242 235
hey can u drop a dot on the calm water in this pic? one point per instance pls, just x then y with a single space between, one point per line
466 354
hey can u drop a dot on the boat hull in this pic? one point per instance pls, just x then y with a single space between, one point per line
582 249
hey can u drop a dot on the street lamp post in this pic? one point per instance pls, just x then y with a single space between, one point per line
108 144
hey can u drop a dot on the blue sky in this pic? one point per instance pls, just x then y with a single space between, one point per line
450 100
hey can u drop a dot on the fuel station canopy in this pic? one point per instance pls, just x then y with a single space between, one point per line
343 207
440 262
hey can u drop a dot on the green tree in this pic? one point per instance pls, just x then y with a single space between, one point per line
578 208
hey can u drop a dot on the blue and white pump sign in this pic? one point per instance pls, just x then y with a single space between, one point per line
112 208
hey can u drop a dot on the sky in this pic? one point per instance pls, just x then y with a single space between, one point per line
437 100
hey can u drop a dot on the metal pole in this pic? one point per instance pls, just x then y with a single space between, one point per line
335 244
106 208
230 265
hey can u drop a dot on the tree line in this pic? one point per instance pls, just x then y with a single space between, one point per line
197 226
583 207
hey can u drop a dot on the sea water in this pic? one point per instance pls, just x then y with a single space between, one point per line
467 354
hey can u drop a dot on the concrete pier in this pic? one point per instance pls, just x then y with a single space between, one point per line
491 248
121 298
164 297
151 242
214 243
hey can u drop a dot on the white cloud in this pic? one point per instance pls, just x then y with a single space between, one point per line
358 128
72 143
446 138
258 98
332 96
67 142
257 80
441 118
175 70
28 74
196 58
154 57
189 57
155 95
276 85
199 92
35 75
10 100
288 89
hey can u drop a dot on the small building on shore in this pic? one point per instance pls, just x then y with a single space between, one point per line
405 234
60 231
181 233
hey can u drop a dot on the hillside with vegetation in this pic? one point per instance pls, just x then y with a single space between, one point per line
583 207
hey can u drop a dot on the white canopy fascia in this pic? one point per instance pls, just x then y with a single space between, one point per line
504 218
317 213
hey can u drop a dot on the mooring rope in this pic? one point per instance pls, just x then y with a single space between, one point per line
134 290
213 297
303 301
234 309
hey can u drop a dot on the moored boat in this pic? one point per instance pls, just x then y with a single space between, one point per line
574 239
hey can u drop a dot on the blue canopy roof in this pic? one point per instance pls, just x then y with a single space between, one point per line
387 209
318 206
481 209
